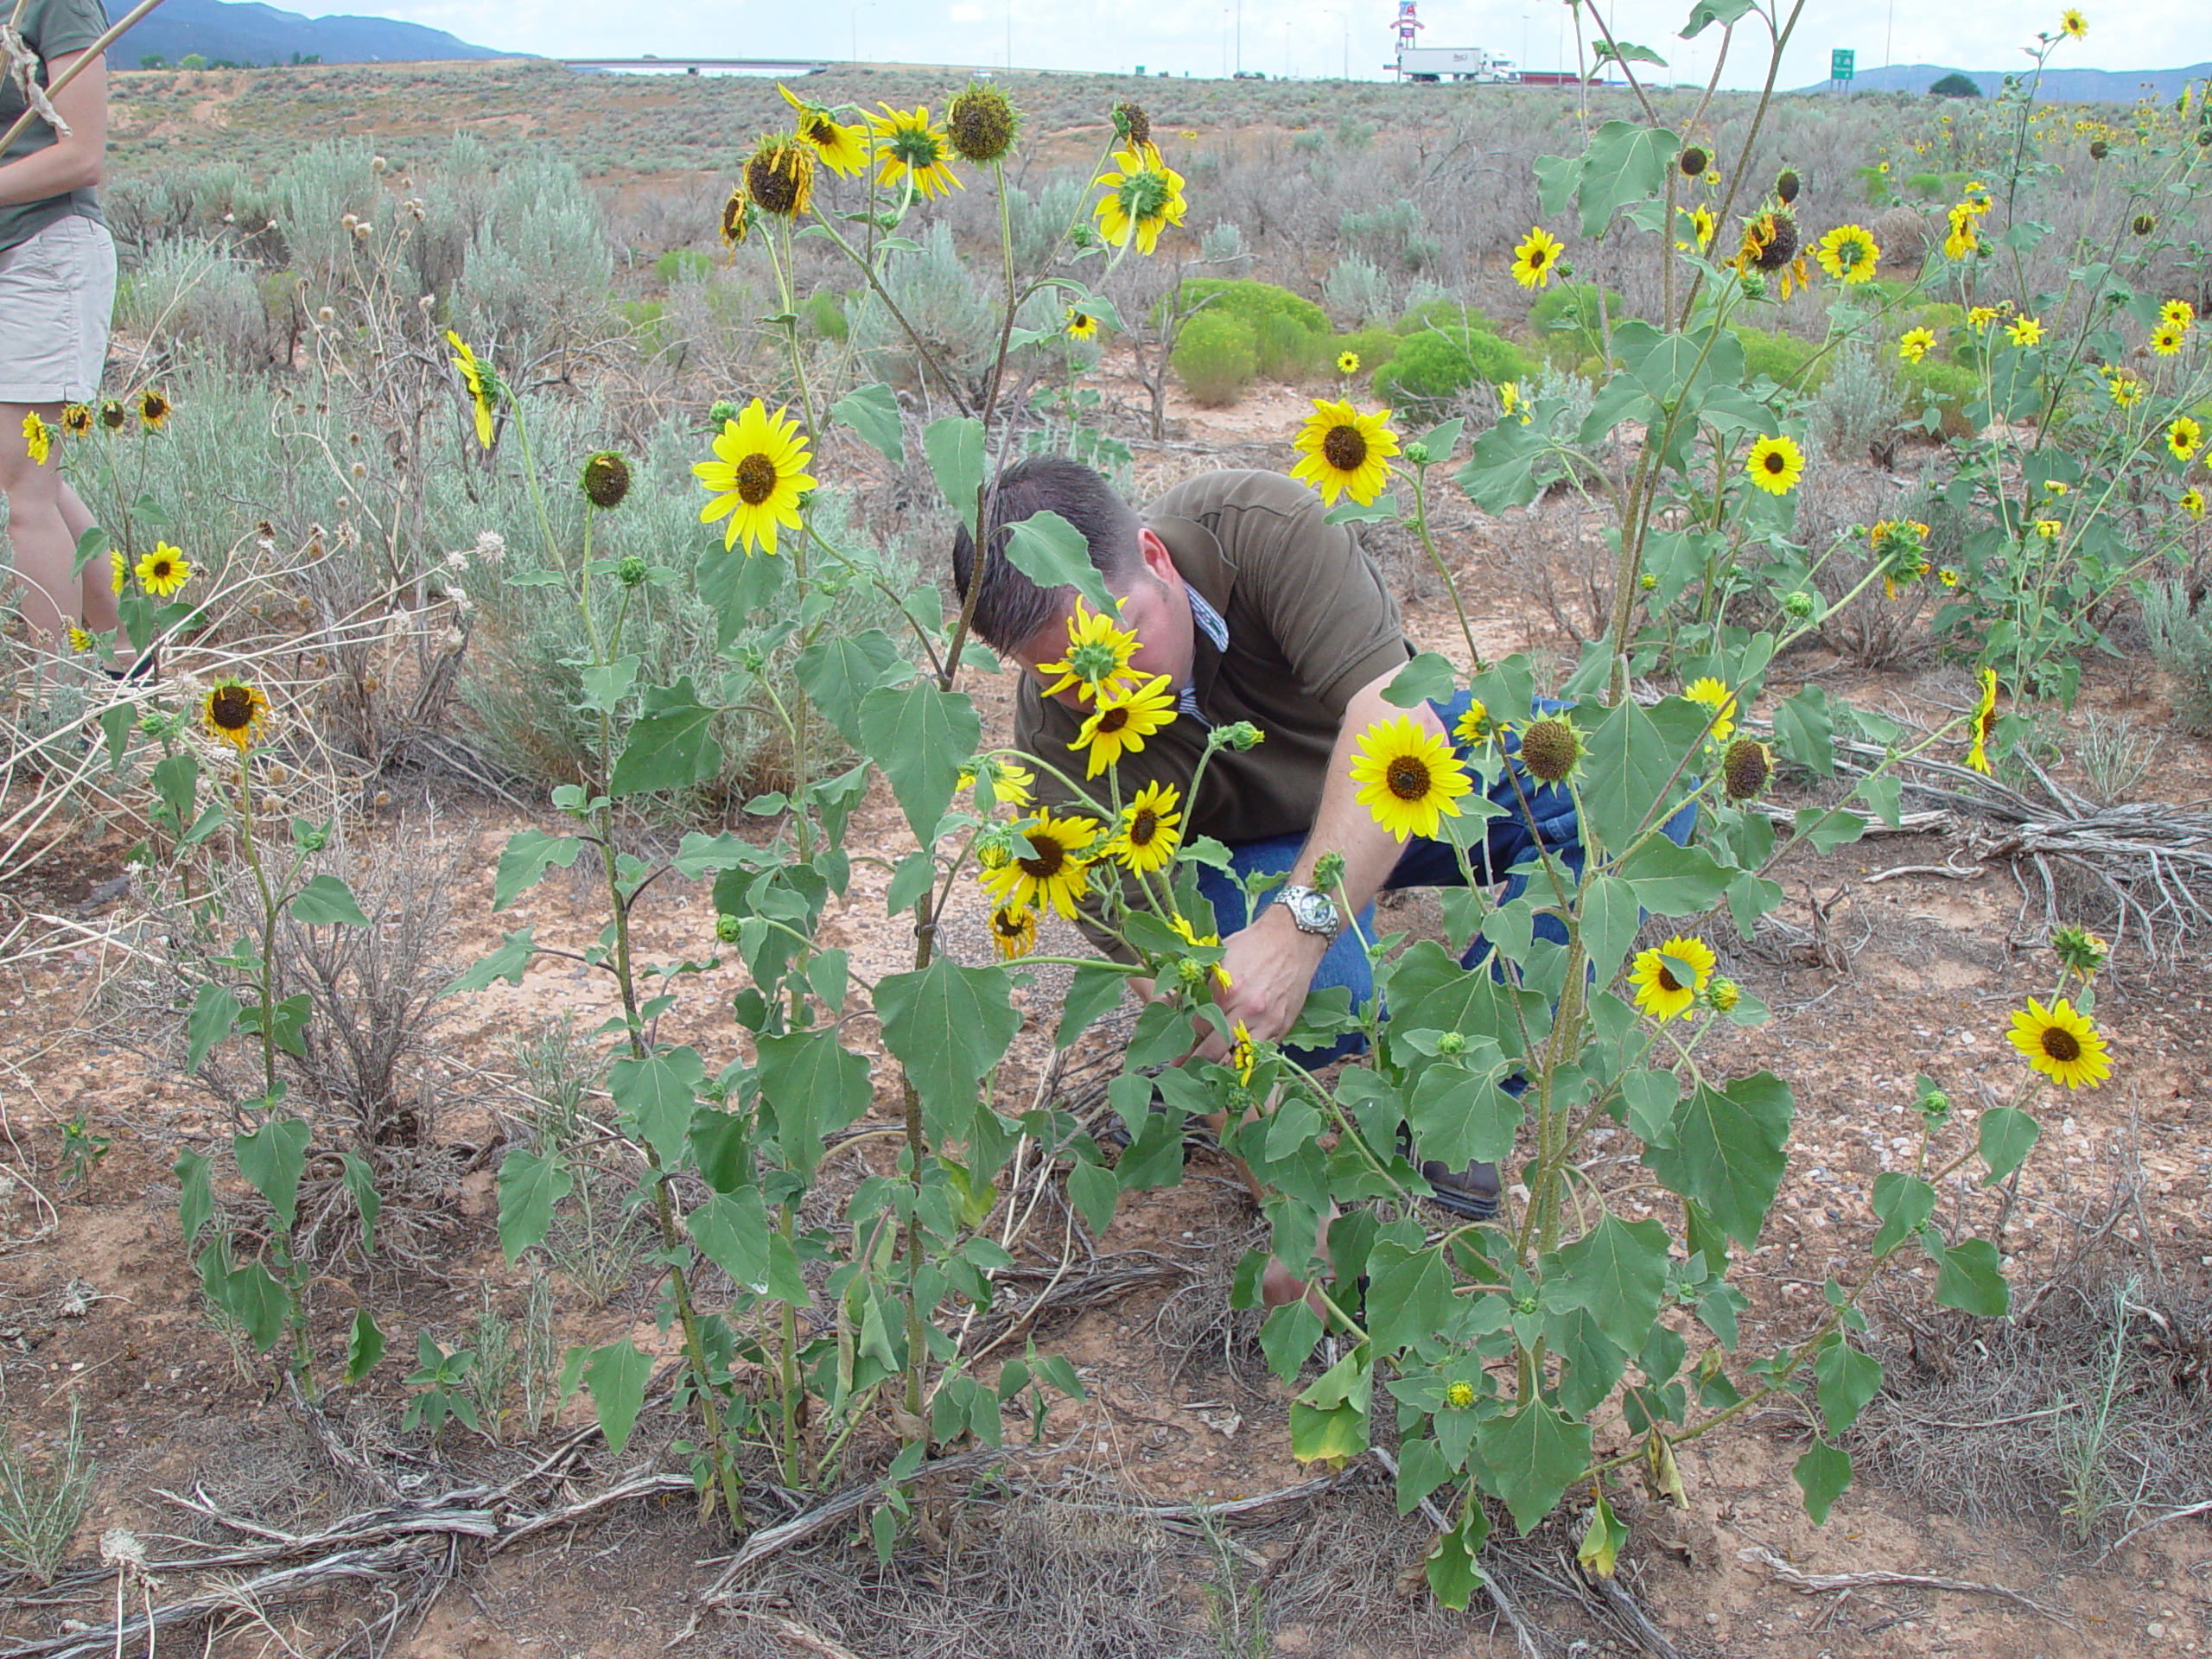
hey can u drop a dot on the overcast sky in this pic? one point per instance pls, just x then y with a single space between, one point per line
1305 37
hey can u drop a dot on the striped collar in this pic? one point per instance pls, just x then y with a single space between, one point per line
1209 622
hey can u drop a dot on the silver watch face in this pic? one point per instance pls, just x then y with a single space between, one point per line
1313 910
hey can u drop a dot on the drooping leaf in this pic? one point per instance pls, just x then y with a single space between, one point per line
1728 1151
1601 1539
872 411
671 743
361 1187
1051 552
272 1158
1970 1277
1093 1190
1846 1379
1821 1474
1609 925
921 737
1428 678
1453 1568
616 1375
325 901
948 1024
2004 1136
506 963
524 860
1713 11
1532 1454
195 1200
657 1094
732 1230
1805 730
529 1184
214 1013
364 1347
1096 988
953 444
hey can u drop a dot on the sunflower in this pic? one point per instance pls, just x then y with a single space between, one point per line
1709 693
1948 576
2127 390
842 149
779 177
483 385
1148 837
2026 331
1535 256
1242 1055
1668 979
1981 316
36 443
118 569
1014 931
112 414
1126 716
1141 201
76 420
1082 325
2192 503
2072 23
164 570
2183 437
1474 727
980 124
1915 344
737 218
1964 236
1849 254
1407 777
908 148
1097 657
1775 465
234 711
2165 338
2060 1043
1183 932
757 477
2179 314
153 409
79 639
1347 362
1985 718
1511 400
1746 768
1701 236
1009 784
1346 453
1057 870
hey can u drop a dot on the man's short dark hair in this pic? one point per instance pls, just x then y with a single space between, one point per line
1011 608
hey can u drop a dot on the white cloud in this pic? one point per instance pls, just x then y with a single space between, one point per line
1306 38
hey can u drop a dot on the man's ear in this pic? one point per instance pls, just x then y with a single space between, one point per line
1159 561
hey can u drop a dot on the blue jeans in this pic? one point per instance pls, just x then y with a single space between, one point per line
1546 821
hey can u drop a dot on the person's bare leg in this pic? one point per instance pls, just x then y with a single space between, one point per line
95 587
36 527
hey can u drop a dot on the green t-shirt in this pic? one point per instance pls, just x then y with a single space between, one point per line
1309 621
52 28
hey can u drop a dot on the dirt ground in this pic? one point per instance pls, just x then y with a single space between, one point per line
1884 971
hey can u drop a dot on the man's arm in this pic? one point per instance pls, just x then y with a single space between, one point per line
78 162
1271 962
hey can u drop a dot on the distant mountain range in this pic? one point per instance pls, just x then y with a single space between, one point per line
254 34
2061 86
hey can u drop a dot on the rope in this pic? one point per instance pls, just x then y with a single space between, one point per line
24 68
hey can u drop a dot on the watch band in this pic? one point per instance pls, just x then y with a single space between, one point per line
1307 907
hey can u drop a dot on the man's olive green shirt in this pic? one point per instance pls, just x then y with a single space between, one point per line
1309 622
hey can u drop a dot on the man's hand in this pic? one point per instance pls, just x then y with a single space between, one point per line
1269 964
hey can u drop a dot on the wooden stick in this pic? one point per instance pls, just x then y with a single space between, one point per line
91 55
1813 1583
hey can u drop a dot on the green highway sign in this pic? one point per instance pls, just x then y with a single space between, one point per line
1840 64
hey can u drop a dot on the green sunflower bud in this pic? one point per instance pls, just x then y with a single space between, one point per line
1416 454
1459 1395
1328 870
1451 1042
1648 582
1800 606
1130 121
630 571
980 125
2142 224
722 412
726 928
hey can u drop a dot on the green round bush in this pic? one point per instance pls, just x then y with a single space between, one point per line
1216 357
1431 369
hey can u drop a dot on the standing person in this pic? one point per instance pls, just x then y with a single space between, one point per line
57 291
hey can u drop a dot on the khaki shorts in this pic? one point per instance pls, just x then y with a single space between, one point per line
57 293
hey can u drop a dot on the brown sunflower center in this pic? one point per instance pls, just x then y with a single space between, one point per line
1143 827
1112 720
231 708
1408 776
2062 1044
1776 462
1045 862
1668 983
1344 449
822 130
160 570
1011 924
1538 256
756 479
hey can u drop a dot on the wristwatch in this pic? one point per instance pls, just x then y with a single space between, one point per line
1312 911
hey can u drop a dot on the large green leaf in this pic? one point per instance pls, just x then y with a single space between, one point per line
1531 1456
811 1084
195 1199
1671 881
1969 1276
1727 1152
948 1024
1501 469
954 445
524 860
506 963
1624 163
657 1095
273 1158
1096 989
872 411
1804 730
921 736
325 901
671 743
530 1183
838 672
1903 1201
1713 11
732 1229
1617 1272
1636 768
1459 1115
2003 1136
1409 1296
616 1375
1051 552
1846 1379
1821 1474
214 1012
1609 925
